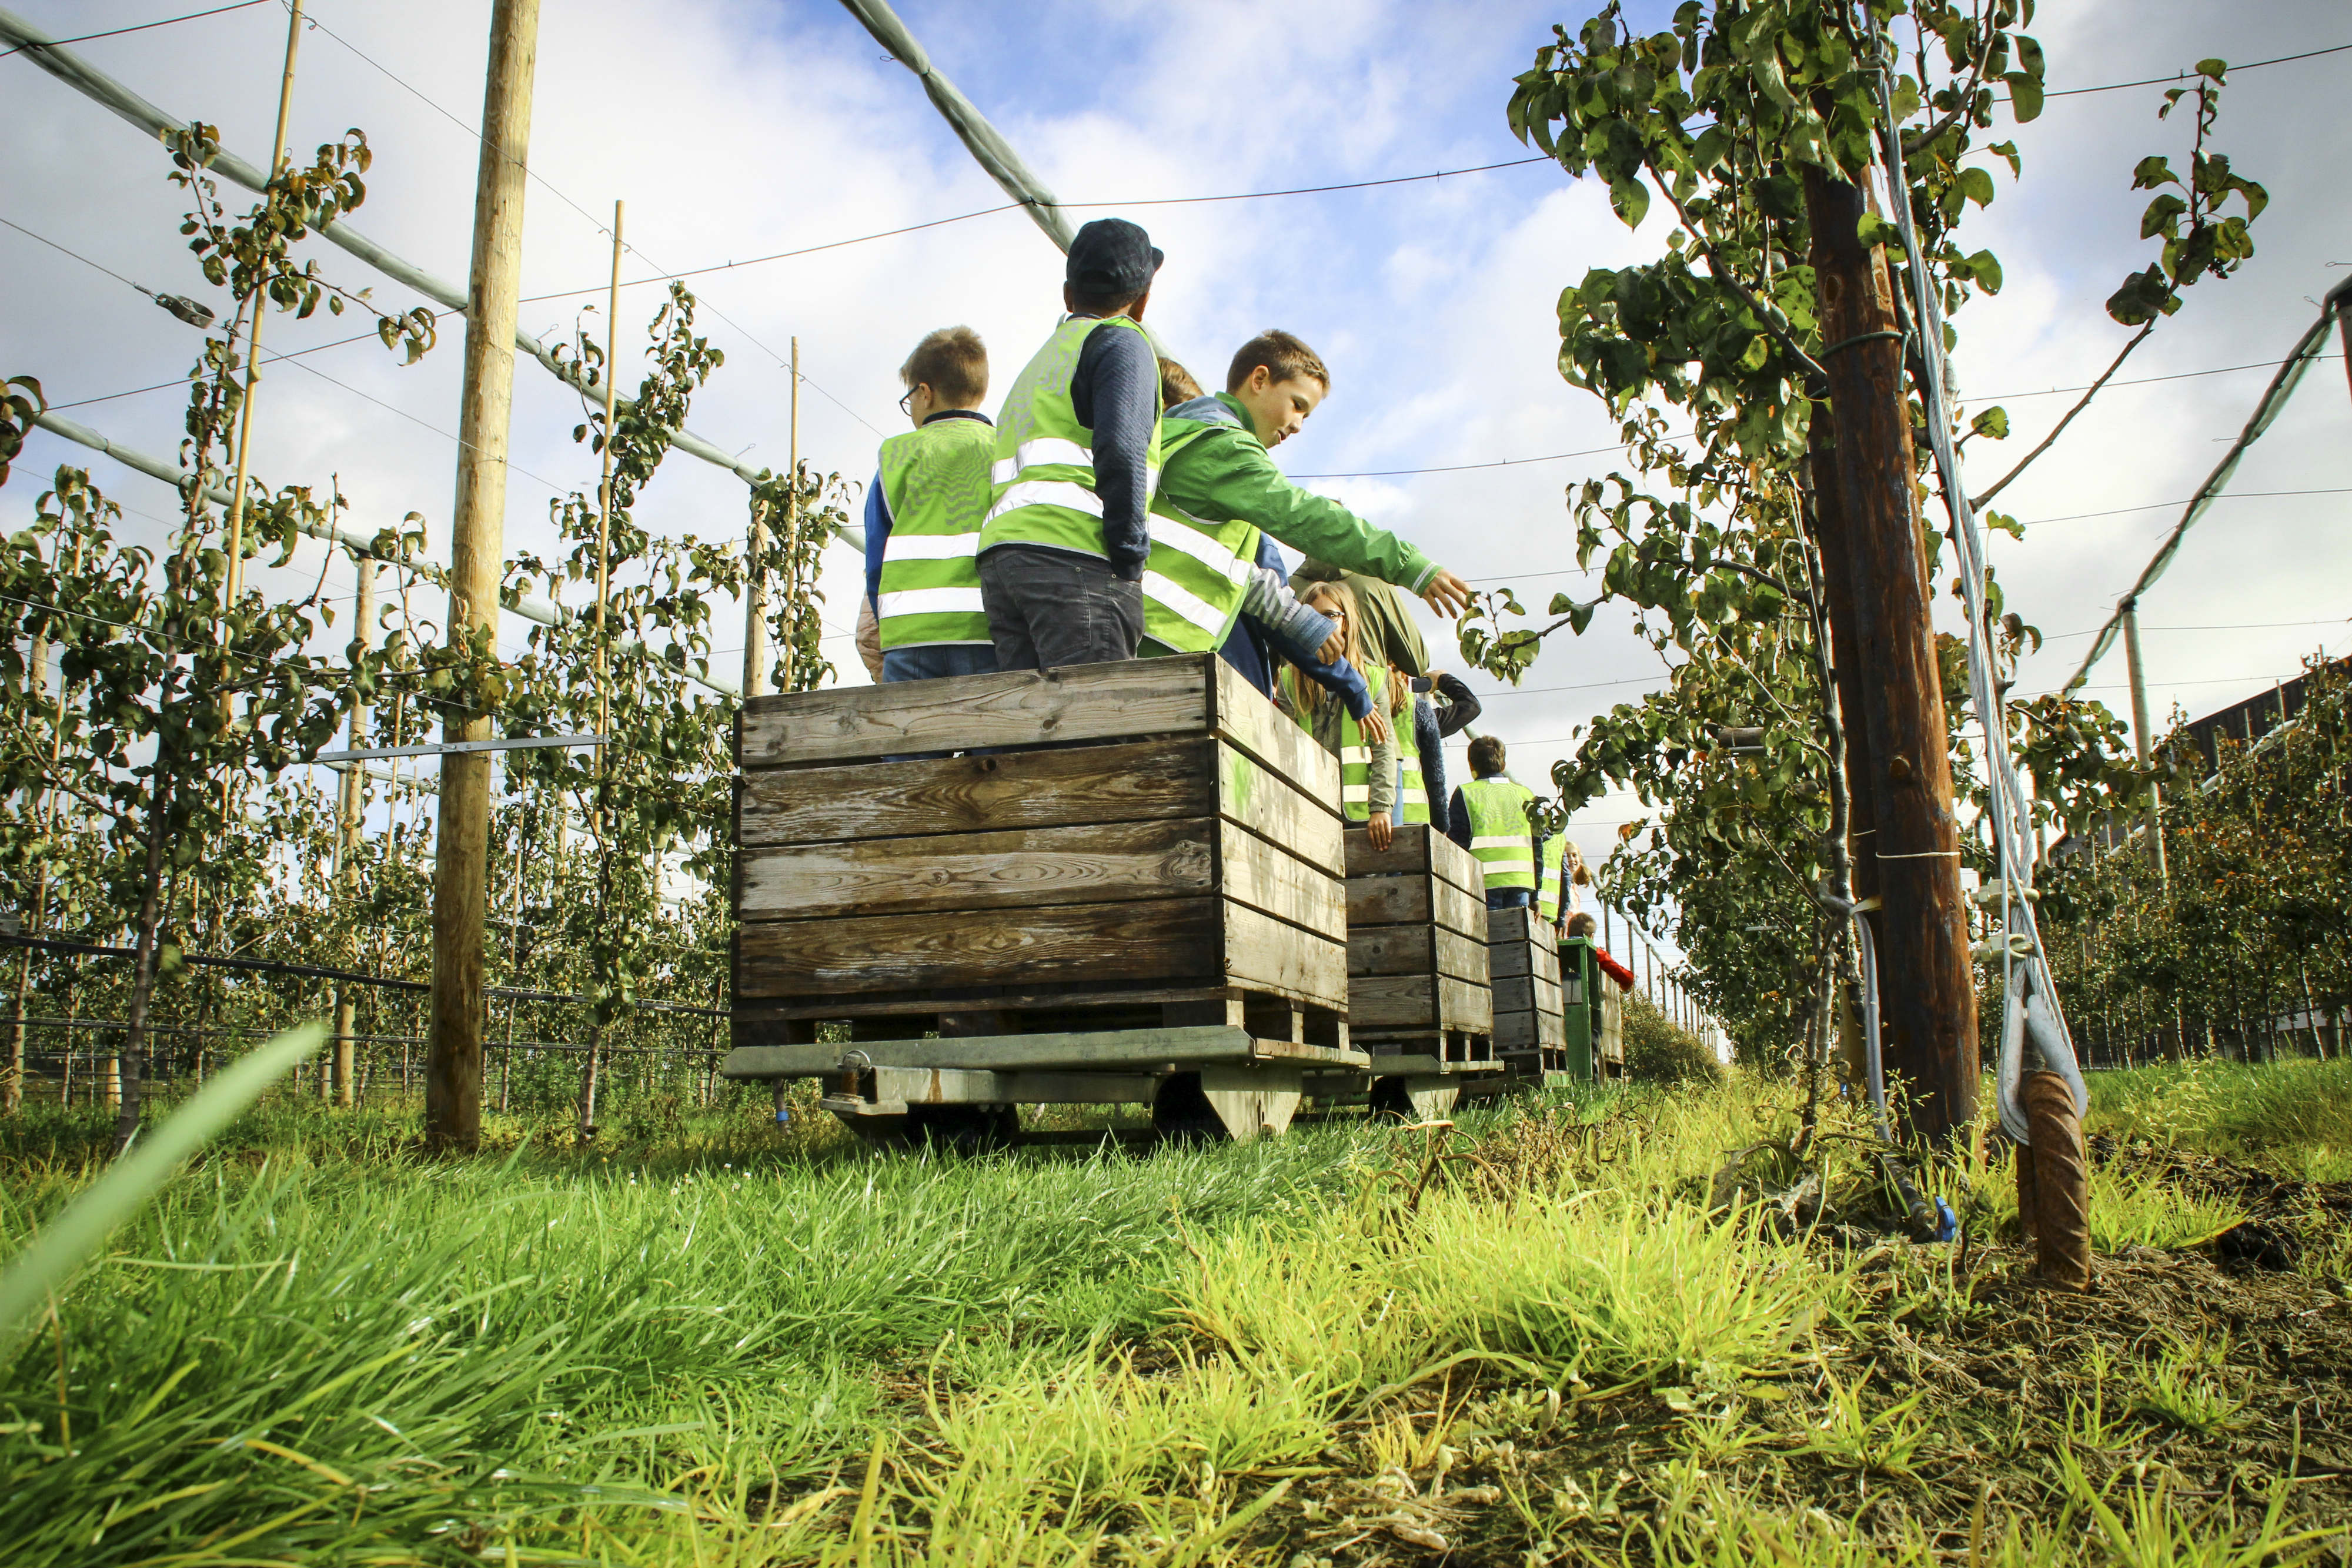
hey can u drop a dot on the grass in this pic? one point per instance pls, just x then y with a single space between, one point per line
2295 1116
728 1343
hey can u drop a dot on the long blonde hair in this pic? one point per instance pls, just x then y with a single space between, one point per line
1312 695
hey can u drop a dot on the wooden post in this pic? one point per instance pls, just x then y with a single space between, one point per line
604 488
1926 984
2142 744
347 844
453 1085
253 331
792 497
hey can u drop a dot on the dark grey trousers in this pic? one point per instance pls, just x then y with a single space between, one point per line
1047 608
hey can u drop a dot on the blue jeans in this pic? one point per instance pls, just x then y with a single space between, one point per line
932 661
1510 897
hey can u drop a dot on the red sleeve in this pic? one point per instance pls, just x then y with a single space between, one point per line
1615 970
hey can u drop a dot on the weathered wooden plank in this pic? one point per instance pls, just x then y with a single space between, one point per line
1388 900
1407 855
1457 867
1378 1002
1269 879
1135 781
1020 708
1461 957
1509 958
1521 925
1016 870
1434 1002
1517 1032
1164 939
1259 798
1244 715
1265 954
1390 950
1517 993
1459 909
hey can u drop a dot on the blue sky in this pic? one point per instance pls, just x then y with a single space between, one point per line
735 128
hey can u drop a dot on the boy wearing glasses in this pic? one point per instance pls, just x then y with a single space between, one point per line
924 513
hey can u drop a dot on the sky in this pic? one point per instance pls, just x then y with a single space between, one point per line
737 128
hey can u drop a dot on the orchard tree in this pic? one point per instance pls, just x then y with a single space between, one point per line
1758 370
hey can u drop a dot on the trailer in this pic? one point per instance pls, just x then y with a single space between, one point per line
1420 997
1119 883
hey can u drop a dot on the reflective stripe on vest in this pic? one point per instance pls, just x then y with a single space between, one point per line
1042 480
1500 835
1554 854
935 481
1416 789
1199 571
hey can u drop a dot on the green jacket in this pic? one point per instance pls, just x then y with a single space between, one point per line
1224 472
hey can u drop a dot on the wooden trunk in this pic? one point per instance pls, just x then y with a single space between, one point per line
1127 845
1417 964
1526 967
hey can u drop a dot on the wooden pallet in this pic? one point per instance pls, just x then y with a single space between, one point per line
1132 847
1528 1001
1249 1086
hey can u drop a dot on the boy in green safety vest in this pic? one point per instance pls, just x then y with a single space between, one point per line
1219 491
1488 817
1063 549
923 517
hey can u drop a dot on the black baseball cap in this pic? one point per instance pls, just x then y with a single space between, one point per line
1111 256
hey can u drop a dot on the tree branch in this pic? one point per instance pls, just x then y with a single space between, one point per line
1978 503
1725 276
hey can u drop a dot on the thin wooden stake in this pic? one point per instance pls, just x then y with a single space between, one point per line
604 490
347 846
793 499
2141 743
253 330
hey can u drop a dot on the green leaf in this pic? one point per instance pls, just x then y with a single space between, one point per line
1976 185
1873 230
1759 349
1631 201
1985 267
2161 216
2214 68
2151 171
1993 423
2024 96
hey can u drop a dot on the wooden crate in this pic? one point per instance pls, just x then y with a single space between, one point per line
1144 844
1527 1002
1417 964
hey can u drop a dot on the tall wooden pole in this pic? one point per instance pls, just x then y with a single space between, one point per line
604 488
347 844
253 332
2142 744
453 1076
793 497
1926 985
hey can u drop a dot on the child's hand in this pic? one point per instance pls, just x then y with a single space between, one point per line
1376 729
1382 832
1334 647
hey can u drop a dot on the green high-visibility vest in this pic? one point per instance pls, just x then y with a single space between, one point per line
1355 750
1041 485
1500 834
1554 854
1198 574
935 481
1416 789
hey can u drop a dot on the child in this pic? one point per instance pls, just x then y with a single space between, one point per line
1366 744
1063 552
923 517
1488 817
1582 924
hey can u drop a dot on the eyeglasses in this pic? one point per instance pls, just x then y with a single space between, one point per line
907 403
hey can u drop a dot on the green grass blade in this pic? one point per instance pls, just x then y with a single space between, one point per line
77 1234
